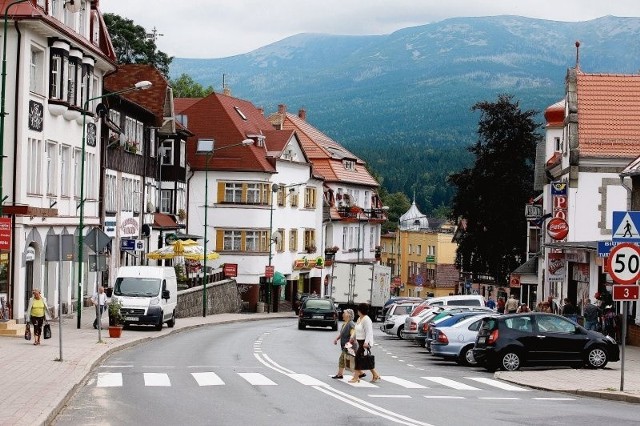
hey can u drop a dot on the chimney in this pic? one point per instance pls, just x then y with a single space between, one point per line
302 114
226 91
282 109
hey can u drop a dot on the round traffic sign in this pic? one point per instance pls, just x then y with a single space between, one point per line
623 263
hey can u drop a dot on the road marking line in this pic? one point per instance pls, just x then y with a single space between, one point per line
116 366
207 379
257 379
109 380
498 384
306 380
443 397
555 399
156 379
390 396
497 397
450 383
402 382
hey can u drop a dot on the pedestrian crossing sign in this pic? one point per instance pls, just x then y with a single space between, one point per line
625 226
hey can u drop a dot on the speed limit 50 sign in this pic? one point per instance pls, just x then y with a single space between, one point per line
623 263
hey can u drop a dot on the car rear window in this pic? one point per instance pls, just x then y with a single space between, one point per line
318 304
464 302
489 324
403 310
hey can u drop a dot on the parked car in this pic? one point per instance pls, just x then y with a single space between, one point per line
317 312
446 317
455 342
394 321
457 300
410 330
510 341
395 300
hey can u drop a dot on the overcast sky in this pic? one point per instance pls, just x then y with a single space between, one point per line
221 28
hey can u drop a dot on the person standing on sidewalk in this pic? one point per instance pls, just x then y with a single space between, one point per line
37 312
99 300
591 315
512 305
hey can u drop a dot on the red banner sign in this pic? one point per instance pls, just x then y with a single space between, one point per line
230 270
269 270
5 233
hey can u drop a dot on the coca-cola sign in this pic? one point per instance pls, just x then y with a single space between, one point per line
558 228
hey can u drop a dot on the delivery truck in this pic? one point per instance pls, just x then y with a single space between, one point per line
361 282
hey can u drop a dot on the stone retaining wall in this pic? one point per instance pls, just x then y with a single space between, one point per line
222 297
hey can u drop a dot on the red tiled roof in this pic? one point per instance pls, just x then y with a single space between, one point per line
152 99
228 121
180 104
554 114
608 115
324 153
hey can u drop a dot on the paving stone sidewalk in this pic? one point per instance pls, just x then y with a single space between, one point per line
31 373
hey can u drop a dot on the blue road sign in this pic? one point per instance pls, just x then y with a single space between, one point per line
626 227
604 247
127 244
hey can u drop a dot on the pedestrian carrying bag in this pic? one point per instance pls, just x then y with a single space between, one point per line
27 331
46 331
366 361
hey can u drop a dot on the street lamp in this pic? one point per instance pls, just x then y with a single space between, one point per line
2 96
206 146
141 85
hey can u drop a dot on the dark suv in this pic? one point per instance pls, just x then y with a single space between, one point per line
509 341
317 312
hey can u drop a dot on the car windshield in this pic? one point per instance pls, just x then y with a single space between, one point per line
318 304
136 286
402 309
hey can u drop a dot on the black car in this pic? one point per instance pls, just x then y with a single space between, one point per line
511 341
317 312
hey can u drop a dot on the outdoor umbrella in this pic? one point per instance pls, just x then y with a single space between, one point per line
187 249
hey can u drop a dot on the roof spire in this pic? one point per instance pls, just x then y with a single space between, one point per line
577 54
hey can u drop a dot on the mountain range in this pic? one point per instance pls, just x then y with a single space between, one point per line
402 101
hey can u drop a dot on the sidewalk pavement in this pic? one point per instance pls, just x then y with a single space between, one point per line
602 383
36 385
29 373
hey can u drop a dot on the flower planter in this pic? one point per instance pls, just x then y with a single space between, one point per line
115 331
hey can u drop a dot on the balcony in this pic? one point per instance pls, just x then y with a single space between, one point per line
358 214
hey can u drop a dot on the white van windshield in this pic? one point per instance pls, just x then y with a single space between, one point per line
134 286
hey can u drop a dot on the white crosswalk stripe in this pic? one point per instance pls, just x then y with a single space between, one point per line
109 380
402 382
257 379
156 379
498 384
207 379
451 383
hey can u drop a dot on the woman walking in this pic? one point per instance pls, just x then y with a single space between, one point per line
364 337
345 336
37 313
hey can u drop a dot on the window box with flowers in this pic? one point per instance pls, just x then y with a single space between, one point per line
182 214
132 146
310 248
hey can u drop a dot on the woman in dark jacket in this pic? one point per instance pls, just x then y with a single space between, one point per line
346 334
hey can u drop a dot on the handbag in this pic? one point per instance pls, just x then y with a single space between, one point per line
366 361
46 331
27 331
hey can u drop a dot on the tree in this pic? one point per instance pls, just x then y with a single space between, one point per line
185 87
491 194
133 46
398 204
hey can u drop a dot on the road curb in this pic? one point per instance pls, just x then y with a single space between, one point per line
85 377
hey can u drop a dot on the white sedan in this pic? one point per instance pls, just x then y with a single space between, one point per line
394 321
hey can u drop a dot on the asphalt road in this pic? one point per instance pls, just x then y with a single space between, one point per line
269 372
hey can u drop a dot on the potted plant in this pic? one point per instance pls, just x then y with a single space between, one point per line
182 214
115 318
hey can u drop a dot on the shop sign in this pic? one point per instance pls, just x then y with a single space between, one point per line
230 269
555 266
5 233
129 227
514 282
558 228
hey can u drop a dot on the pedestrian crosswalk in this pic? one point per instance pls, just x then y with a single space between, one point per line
388 383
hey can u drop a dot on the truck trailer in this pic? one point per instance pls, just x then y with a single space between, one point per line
358 282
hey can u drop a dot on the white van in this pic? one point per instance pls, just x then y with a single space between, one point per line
459 300
149 295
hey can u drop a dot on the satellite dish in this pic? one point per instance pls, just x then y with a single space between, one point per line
276 237
73 6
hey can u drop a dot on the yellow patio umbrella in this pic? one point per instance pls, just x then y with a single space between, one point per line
187 249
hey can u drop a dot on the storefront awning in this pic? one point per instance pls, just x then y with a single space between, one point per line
164 221
528 267
574 245
279 278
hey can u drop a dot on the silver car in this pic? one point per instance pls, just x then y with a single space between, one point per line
456 342
394 321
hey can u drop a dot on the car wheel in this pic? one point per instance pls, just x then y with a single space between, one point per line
466 356
172 321
301 326
400 330
597 358
510 361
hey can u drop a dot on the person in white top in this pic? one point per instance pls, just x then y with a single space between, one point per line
99 300
364 336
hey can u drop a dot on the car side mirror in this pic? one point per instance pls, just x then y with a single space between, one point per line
166 294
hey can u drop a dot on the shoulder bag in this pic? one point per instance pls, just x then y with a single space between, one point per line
366 361
27 331
46 331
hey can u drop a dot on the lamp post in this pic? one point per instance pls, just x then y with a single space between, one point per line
274 190
141 85
2 97
206 145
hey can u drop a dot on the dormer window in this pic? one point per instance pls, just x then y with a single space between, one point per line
240 113
349 165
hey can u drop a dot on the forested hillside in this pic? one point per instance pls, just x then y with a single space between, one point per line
403 101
